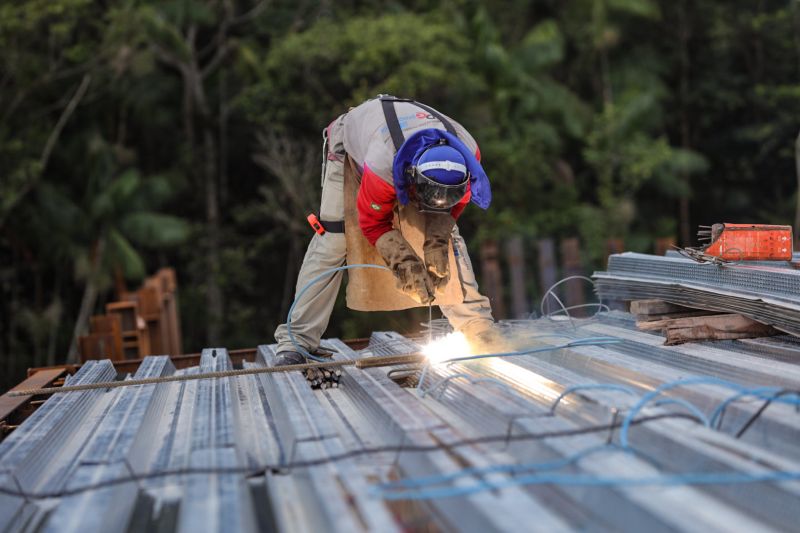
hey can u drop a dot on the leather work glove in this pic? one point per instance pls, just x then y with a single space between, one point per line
438 229
409 272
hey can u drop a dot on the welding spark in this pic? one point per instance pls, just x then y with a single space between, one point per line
448 347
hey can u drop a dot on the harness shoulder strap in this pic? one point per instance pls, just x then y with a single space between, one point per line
446 123
390 114
393 123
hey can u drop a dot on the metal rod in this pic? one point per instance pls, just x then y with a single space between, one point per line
366 362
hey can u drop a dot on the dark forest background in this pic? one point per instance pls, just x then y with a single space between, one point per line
142 134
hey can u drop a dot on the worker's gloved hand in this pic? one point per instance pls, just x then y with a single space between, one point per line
409 272
438 229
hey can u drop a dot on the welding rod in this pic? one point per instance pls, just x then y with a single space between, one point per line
365 362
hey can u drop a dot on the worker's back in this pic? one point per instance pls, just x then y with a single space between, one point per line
367 138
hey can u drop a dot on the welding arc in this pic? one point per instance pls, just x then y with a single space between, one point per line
262 470
365 362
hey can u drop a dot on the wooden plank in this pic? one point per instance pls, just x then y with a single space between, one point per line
149 301
706 332
100 346
548 272
492 275
682 322
656 307
710 327
515 255
571 265
663 244
667 316
42 378
614 246
722 322
168 280
127 311
173 324
112 326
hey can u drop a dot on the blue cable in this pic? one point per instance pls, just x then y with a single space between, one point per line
626 423
308 285
692 408
553 465
762 393
498 469
588 341
586 480
590 386
742 391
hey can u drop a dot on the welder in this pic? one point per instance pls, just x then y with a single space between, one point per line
397 175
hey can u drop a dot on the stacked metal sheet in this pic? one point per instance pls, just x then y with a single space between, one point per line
268 452
769 295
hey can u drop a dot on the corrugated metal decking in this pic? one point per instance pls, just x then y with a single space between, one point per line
767 294
267 452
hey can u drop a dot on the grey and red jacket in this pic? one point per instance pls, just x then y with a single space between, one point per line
368 141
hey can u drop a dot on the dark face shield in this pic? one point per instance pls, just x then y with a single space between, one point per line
435 195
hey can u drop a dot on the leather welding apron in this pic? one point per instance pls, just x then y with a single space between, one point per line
372 289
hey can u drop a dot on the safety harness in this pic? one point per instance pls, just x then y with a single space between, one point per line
390 114
396 132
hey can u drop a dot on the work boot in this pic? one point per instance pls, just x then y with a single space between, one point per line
289 357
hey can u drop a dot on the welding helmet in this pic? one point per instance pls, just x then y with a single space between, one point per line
439 177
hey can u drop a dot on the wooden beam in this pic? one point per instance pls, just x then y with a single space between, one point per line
492 277
548 271
515 256
40 379
571 265
656 307
710 327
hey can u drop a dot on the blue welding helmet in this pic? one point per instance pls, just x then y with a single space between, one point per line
439 177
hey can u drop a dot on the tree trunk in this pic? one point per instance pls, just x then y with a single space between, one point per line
54 327
214 298
290 277
203 162
684 225
224 112
515 257
88 300
120 287
797 209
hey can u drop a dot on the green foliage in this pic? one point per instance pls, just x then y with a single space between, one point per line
595 118
542 47
343 63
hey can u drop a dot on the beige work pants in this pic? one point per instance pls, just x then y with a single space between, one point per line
311 314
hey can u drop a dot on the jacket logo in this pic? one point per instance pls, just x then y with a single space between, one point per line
375 206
